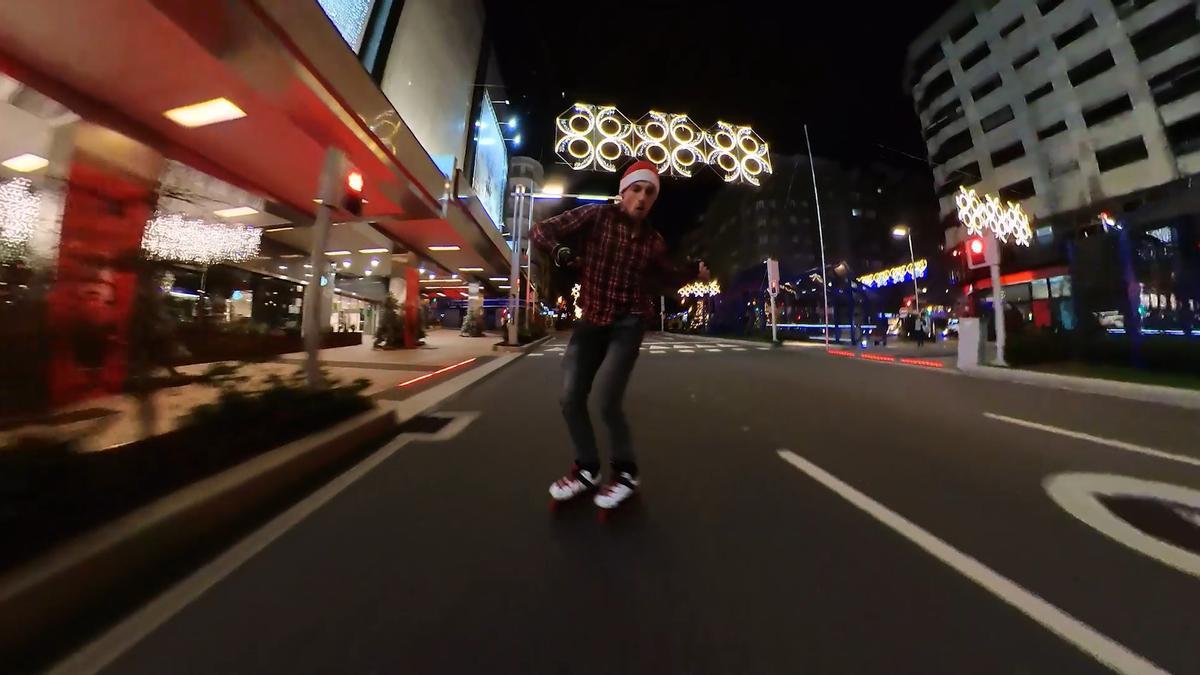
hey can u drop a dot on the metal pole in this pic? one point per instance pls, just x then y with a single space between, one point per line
514 273
774 321
998 305
916 287
662 313
529 260
812 165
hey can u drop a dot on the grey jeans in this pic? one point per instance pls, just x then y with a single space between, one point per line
616 347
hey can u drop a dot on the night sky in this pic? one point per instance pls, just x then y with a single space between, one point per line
835 65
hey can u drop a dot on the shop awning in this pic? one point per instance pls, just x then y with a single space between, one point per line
123 63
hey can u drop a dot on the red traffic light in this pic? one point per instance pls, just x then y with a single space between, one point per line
976 250
353 200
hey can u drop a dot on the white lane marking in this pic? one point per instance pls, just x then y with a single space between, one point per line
108 647
1100 647
764 349
537 354
739 349
1077 494
685 351
1112 443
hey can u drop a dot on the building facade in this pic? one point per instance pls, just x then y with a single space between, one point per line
188 182
1087 113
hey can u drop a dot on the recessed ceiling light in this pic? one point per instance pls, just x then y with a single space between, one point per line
235 212
470 269
292 255
374 262
373 250
497 278
278 229
26 163
337 252
307 266
445 248
283 267
345 263
205 113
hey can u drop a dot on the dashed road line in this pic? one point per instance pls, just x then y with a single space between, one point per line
1112 443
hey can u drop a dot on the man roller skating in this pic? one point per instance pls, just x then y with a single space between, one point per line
616 253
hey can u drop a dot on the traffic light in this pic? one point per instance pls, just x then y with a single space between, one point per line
352 202
975 249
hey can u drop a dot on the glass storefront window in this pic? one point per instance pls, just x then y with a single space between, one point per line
1060 287
1040 289
1017 293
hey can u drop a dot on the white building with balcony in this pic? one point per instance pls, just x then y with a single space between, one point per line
1059 104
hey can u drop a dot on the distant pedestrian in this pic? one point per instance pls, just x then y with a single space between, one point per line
616 252
919 328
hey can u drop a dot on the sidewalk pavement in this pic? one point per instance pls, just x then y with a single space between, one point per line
113 420
1149 393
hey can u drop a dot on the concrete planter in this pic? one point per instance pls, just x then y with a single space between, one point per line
76 576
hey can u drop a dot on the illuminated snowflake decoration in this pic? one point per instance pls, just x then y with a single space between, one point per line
990 214
737 153
179 238
600 138
701 289
19 206
575 290
895 275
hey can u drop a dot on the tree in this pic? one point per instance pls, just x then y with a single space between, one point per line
390 333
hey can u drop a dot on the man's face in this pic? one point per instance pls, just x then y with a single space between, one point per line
638 199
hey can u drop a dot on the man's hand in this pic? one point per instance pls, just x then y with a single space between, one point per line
565 257
705 274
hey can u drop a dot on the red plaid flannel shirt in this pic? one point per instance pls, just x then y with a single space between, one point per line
616 257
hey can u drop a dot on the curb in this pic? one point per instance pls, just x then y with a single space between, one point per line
76 576
500 347
1133 391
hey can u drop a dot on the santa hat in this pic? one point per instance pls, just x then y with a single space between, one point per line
637 171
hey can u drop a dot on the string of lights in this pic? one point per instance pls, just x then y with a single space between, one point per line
990 214
19 206
896 275
176 237
597 138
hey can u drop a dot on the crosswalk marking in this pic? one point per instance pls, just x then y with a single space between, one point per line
672 346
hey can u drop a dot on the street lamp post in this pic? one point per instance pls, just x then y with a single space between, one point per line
903 231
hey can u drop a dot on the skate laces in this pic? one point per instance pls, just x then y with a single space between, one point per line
572 477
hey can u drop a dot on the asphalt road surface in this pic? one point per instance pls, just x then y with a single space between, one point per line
800 513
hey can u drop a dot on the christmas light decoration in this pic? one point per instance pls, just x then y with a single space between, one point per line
599 137
990 214
575 290
177 237
19 206
701 289
895 275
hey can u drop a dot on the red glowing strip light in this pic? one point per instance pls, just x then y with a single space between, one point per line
923 362
839 352
436 372
881 359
